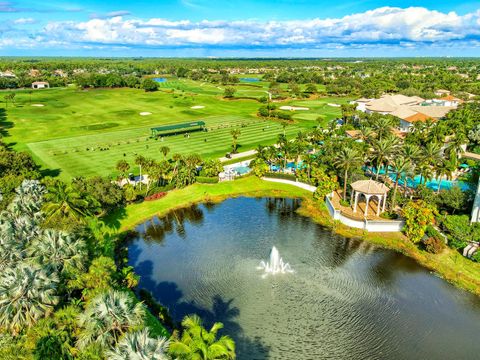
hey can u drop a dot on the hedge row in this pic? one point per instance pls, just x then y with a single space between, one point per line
207 180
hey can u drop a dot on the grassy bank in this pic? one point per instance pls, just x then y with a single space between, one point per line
450 265
249 186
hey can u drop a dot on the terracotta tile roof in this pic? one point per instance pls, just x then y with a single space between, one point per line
417 117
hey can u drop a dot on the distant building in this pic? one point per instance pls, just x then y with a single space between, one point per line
40 85
409 109
7 74
442 92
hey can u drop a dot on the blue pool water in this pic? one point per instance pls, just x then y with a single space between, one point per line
242 170
249 79
432 184
160 79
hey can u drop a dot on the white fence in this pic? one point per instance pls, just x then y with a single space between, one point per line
369 225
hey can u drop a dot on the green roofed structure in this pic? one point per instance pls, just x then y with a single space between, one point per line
177 128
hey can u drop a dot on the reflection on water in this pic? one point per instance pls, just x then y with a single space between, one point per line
346 299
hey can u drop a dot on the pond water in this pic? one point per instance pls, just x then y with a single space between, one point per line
345 299
249 79
160 79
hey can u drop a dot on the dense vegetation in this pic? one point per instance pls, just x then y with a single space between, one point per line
65 288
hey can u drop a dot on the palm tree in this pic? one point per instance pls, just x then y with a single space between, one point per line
383 150
198 343
348 159
27 294
235 134
139 345
63 202
123 166
402 166
58 250
108 317
164 150
446 168
140 161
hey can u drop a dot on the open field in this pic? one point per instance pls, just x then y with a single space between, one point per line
85 132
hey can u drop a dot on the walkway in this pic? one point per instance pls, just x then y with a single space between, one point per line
238 155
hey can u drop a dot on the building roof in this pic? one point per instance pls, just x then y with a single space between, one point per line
354 134
417 117
449 98
40 83
442 91
390 103
403 112
436 112
370 187
178 126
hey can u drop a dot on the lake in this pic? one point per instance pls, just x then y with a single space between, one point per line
346 299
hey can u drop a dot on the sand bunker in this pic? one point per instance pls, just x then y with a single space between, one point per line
334 105
145 113
293 108
38 105
197 107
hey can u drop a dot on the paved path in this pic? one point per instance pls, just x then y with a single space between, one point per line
290 182
239 155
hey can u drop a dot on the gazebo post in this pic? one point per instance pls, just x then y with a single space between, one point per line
357 195
384 202
366 206
379 204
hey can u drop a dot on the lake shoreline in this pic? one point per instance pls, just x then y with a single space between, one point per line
449 265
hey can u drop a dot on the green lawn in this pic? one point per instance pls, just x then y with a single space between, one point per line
85 132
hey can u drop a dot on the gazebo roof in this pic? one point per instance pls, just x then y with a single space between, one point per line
370 187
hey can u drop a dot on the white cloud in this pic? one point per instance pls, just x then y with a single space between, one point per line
382 26
23 21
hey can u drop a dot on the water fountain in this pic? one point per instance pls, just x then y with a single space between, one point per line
275 265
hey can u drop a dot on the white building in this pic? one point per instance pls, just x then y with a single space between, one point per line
40 85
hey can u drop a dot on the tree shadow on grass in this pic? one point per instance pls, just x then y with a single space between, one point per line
5 125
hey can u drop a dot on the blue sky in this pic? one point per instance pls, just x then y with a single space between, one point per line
302 28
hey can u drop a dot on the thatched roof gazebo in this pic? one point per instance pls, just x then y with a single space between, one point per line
369 188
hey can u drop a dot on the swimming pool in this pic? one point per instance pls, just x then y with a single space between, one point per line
431 184
242 170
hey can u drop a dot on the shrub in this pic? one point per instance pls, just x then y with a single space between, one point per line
390 215
344 203
207 179
458 230
434 245
281 176
156 196
418 215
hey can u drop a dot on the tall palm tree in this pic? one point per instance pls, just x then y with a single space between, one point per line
198 343
235 134
347 159
383 150
402 166
58 250
139 345
446 168
123 166
27 294
140 161
108 317
64 202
